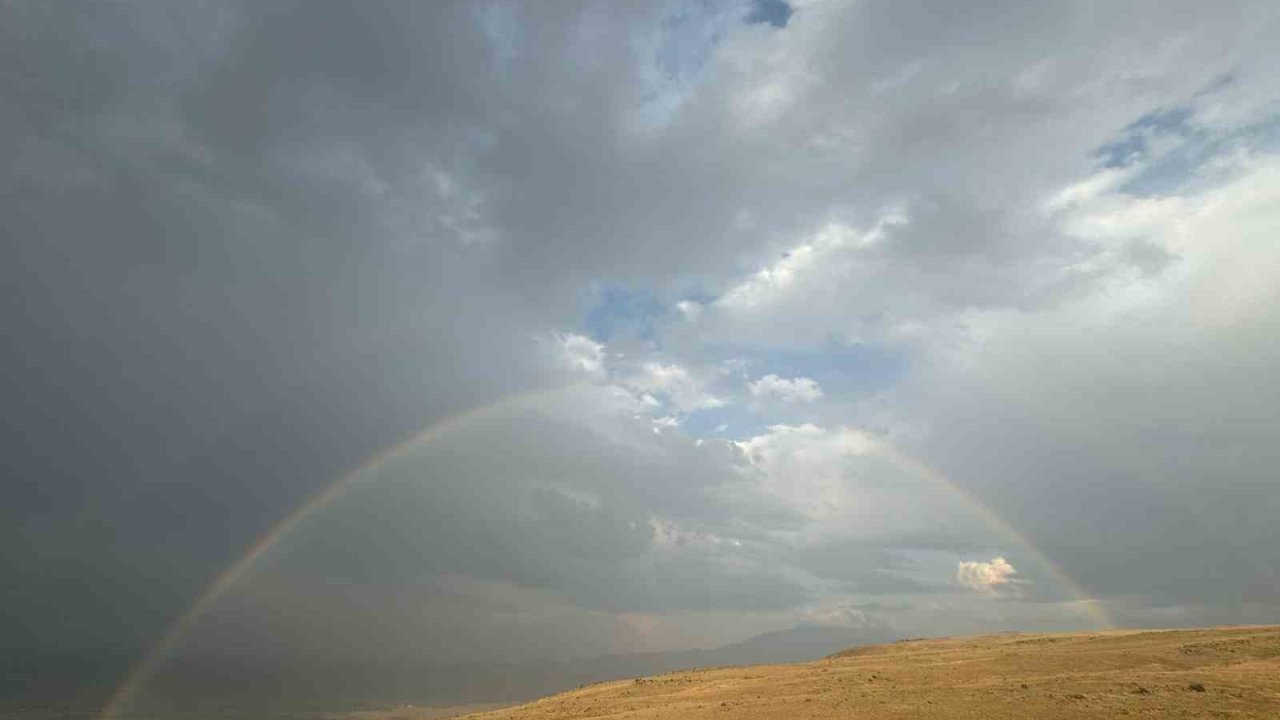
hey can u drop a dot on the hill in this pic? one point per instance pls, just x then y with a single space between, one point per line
513 683
1220 672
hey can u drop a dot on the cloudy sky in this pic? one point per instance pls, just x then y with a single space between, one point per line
720 318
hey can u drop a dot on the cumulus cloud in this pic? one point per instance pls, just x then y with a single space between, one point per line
679 388
582 354
800 389
988 576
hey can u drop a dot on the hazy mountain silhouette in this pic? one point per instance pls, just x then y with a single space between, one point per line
193 687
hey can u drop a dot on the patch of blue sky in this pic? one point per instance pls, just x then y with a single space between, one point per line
1169 150
843 371
774 12
699 297
1181 167
684 43
1137 138
689 35
733 422
615 310
501 27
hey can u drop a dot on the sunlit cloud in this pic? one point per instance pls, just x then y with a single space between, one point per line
989 576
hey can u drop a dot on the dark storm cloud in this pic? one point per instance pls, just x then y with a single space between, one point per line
247 246
251 245
202 332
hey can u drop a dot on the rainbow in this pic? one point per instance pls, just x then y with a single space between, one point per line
370 468
229 577
994 521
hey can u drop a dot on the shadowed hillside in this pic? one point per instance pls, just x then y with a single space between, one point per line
1222 672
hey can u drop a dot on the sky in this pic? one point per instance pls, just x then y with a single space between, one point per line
709 319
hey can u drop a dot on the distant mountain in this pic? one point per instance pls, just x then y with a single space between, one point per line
798 644
302 687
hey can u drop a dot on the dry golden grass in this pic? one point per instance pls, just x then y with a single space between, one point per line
1221 672
417 712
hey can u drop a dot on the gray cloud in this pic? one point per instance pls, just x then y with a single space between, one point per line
1022 251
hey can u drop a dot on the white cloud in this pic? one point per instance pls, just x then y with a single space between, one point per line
985 576
689 309
799 268
838 281
800 389
846 484
1228 271
582 354
682 390
665 422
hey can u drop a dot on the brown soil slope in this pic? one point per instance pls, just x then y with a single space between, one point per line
1222 672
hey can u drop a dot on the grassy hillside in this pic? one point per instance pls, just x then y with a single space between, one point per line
1221 672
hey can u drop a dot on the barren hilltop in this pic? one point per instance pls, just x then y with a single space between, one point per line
1231 672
